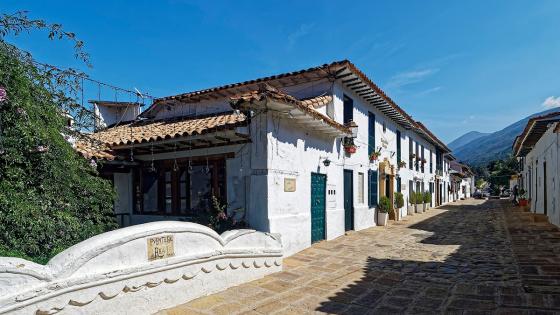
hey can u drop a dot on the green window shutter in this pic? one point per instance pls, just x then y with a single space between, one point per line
371 133
373 178
398 184
398 146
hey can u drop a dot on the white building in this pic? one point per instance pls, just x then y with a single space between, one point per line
462 181
537 150
277 151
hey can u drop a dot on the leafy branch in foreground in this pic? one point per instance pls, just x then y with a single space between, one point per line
50 197
14 24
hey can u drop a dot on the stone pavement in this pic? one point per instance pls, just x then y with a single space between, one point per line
469 257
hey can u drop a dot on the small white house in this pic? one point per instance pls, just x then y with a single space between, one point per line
306 154
462 181
537 150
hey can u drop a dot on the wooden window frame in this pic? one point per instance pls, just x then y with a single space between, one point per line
217 163
348 109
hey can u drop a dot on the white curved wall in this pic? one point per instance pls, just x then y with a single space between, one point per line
111 273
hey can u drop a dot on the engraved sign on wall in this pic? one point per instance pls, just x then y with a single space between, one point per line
160 247
289 184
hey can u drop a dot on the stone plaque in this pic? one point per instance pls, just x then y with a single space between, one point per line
160 247
289 184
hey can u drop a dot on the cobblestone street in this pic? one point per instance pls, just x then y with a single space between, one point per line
472 257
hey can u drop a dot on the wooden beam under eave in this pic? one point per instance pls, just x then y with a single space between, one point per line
339 71
244 136
203 141
365 93
344 75
224 139
357 83
350 80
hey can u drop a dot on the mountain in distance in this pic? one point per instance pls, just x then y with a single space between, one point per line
480 150
466 138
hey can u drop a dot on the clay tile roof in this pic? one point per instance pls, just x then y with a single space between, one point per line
431 135
89 148
317 101
334 70
268 92
533 131
152 130
255 81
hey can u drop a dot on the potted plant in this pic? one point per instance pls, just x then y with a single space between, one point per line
523 202
411 203
399 203
427 200
383 210
419 202
401 164
412 156
349 146
374 155
423 160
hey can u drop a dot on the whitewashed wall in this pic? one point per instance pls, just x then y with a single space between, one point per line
282 149
296 151
546 149
111 273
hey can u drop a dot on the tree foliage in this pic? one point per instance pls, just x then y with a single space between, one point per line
50 197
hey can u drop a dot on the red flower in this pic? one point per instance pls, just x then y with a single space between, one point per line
3 94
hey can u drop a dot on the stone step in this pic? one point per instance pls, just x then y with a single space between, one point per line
537 217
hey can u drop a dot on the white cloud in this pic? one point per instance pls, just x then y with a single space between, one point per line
429 91
299 33
410 77
551 102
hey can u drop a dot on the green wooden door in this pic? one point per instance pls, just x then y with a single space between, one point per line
318 203
348 200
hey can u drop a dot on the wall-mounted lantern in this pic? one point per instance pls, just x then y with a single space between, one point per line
327 162
353 128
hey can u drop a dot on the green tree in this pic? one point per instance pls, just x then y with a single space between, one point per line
50 197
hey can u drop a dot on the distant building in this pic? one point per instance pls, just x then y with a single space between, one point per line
463 181
306 154
537 150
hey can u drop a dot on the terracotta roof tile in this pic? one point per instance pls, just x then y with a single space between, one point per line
90 148
152 130
520 139
327 71
317 101
266 91
431 135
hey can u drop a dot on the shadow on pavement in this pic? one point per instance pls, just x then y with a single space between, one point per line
480 275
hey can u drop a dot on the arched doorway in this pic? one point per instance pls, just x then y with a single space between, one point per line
387 185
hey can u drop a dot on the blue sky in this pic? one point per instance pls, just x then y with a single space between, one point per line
455 65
